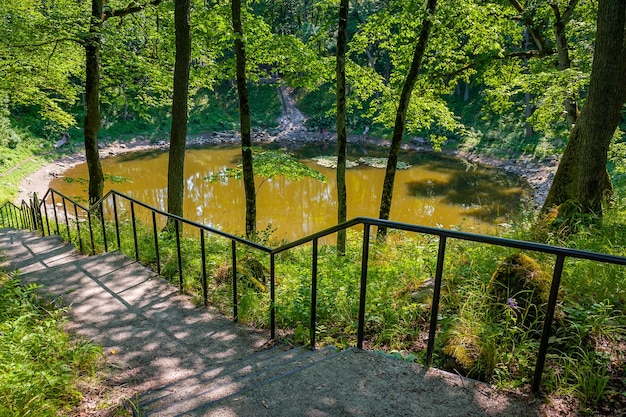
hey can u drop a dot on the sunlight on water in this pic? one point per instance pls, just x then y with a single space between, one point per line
435 191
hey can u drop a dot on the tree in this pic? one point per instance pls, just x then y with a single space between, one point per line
582 178
92 100
244 117
178 133
342 139
405 97
93 43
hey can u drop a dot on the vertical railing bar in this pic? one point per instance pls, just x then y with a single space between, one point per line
117 224
45 210
93 243
547 326
20 217
363 291
132 216
272 296
205 291
56 217
9 217
314 254
434 314
2 209
24 217
233 250
156 243
34 207
80 239
33 210
15 217
104 229
38 212
180 256
67 222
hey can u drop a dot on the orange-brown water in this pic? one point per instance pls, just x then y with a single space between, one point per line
435 191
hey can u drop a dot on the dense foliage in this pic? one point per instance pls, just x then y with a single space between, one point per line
40 363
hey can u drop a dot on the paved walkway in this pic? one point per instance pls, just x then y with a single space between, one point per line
188 361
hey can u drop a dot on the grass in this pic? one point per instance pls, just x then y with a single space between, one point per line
40 364
479 335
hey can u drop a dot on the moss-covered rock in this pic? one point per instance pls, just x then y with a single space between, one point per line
521 284
250 272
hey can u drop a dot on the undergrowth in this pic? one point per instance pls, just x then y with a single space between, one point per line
40 364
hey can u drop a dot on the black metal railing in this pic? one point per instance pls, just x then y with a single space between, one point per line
30 216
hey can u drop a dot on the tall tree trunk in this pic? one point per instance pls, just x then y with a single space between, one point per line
180 99
403 105
342 139
244 117
582 176
562 47
92 99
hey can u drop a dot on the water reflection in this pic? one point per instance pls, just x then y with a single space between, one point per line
435 191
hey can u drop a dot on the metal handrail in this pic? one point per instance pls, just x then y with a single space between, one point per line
33 221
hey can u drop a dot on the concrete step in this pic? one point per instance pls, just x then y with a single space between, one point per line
27 251
193 394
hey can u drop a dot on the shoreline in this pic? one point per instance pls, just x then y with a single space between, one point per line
537 176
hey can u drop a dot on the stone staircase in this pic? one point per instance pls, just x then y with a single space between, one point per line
189 361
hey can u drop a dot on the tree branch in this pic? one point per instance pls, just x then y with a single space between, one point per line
538 38
476 62
130 9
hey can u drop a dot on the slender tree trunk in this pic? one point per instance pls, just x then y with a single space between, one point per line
342 138
180 99
582 176
244 117
562 47
403 105
528 108
92 99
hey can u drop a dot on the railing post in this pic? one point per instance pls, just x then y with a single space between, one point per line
104 229
180 256
205 291
314 292
67 222
234 262
56 217
38 220
132 216
272 296
547 326
117 224
45 210
363 292
16 218
441 253
80 239
93 243
156 242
